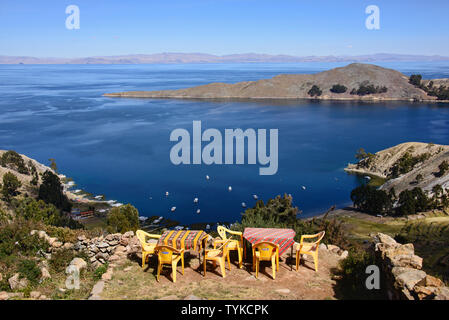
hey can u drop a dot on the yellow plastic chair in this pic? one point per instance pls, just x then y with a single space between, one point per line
147 247
310 248
234 244
266 251
171 256
218 255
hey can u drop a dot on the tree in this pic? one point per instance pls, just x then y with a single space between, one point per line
444 167
415 79
10 185
371 200
50 191
338 88
53 165
279 209
315 91
13 160
412 202
122 219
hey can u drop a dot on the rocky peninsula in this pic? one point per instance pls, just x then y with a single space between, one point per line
355 81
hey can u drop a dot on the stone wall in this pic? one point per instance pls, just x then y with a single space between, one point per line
402 269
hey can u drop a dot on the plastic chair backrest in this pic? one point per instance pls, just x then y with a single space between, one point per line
266 249
165 253
222 232
141 235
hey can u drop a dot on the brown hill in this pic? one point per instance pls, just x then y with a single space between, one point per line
297 86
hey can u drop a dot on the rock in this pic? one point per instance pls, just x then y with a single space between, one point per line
404 260
385 239
120 249
425 292
68 246
344 254
79 263
56 244
107 275
430 281
114 242
45 274
97 289
35 295
114 258
408 277
15 283
333 248
43 297
94 248
322 246
4 295
42 234
283 291
102 255
443 294
102 245
82 238
192 297
51 240
128 234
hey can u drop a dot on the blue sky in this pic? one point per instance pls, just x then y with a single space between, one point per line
295 27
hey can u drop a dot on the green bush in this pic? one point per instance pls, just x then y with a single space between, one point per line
100 271
50 191
443 167
10 185
30 270
415 79
315 91
60 260
338 88
13 160
366 88
371 200
406 164
123 219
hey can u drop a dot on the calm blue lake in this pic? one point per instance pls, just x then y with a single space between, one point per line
120 147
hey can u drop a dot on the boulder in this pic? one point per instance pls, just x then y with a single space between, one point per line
192 297
344 254
82 238
443 294
408 277
102 245
333 248
68 246
384 239
51 240
57 244
79 263
425 292
97 289
102 255
4 295
17 283
322 246
35 295
430 281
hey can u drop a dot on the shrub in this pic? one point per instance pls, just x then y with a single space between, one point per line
10 185
123 219
412 202
415 79
100 271
38 210
13 160
61 259
406 164
315 91
30 270
366 88
338 88
444 167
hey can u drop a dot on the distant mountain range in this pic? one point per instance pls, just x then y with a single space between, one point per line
174 58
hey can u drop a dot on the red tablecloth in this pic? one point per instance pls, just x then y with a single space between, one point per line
282 237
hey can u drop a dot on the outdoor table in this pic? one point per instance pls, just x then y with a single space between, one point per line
282 237
184 239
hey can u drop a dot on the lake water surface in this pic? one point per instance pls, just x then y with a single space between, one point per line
120 147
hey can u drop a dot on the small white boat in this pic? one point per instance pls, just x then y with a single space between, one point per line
173 209
368 177
255 196
303 188
229 188
207 177
195 200
207 227
166 193
243 204
198 211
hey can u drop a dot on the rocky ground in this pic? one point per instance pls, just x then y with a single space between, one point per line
385 159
